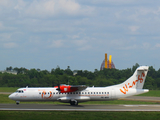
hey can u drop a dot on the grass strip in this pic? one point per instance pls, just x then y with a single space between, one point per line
65 115
8 89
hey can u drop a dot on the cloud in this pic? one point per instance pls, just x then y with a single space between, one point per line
5 37
49 8
133 28
79 42
146 45
84 48
82 45
57 44
10 45
157 45
69 6
41 8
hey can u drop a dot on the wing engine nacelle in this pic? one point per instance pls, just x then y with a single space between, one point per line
66 89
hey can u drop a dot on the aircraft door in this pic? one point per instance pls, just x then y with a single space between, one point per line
113 94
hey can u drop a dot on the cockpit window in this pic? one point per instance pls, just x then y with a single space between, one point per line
19 91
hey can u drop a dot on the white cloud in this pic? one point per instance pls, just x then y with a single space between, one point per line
10 45
146 45
41 8
133 28
157 45
79 42
129 47
85 47
57 44
5 37
118 26
114 2
75 36
69 6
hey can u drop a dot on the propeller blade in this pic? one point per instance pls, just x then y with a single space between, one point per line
58 87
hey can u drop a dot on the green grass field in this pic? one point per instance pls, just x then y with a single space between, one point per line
8 89
152 93
59 115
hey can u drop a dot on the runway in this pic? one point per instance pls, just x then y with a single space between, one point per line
82 107
52 107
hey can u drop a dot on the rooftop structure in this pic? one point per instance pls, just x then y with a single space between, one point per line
107 63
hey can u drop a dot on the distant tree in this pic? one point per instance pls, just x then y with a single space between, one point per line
135 67
58 71
9 68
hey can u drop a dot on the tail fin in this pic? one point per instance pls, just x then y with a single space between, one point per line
137 79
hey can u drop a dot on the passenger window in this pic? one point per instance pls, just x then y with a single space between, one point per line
82 93
79 92
107 92
85 92
91 92
73 92
56 92
48 92
88 92
94 93
102 92
39 92
99 92
53 92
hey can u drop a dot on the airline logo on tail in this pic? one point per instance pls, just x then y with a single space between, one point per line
133 84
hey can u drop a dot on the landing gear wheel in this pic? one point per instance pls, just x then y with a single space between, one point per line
17 102
74 103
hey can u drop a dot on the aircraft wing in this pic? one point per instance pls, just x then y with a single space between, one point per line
78 87
70 88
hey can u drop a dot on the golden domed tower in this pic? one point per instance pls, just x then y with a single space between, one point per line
107 63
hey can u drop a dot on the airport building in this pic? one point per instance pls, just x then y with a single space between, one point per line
11 72
107 63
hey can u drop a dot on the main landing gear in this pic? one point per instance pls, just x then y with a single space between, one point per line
74 102
17 102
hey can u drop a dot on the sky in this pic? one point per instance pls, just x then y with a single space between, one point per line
45 34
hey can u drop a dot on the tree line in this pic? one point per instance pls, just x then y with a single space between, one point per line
100 78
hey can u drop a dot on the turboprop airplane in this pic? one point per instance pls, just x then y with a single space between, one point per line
81 93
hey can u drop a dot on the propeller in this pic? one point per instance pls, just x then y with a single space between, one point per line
58 87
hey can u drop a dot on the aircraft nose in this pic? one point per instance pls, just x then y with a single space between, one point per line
10 96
